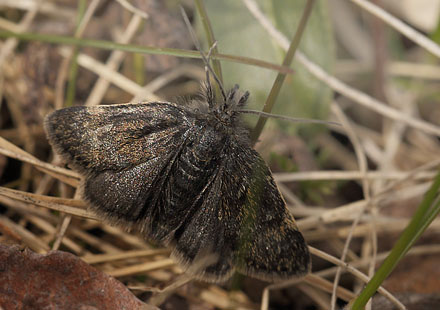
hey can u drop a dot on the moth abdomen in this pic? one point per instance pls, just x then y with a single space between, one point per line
193 167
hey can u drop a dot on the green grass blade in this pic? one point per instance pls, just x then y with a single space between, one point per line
274 92
73 70
109 45
209 36
428 209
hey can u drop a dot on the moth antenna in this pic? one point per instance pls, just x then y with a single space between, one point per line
232 92
231 95
243 99
288 118
208 80
209 68
205 59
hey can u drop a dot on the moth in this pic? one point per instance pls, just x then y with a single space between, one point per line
185 176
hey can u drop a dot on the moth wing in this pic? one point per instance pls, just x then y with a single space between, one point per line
125 153
269 246
114 137
243 222
204 235
131 195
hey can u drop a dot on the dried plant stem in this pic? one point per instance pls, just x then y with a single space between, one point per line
362 160
336 175
356 273
20 233
9 46
113 63
400 26
336 84
112 76
131 8
363 262
141 268
61 231
344 254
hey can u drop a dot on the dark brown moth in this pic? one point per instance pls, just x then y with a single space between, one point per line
186 176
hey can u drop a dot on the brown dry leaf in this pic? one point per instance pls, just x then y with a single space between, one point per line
58 280
412 301
419 274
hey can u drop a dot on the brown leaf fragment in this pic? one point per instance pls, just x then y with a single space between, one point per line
58 280
412 301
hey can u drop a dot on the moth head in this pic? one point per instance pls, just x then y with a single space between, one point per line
228 107
235 99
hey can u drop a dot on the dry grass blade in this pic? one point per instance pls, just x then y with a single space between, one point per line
142 268
21 234
400 26
356 273
67 176
128 6
349 175
68 206
113 62
111 76
102 258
